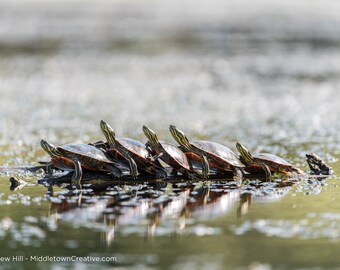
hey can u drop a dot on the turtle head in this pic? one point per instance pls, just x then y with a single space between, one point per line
180 137
245 154
108 132
151 135
50 149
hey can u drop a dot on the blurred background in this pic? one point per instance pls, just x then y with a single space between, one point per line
264 72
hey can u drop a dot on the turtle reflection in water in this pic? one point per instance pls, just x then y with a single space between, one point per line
76 157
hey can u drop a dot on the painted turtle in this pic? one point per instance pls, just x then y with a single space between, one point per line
170 154
76 156
208 151
134 152
268 162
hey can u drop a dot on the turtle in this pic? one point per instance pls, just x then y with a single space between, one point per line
77 156
209 152
317 166
170 154
268 162
134 152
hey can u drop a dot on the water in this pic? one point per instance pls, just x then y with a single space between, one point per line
263 73
175 227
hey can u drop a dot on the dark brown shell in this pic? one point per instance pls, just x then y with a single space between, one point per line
87 154
175 155
270 158
139 153
135 147
218 152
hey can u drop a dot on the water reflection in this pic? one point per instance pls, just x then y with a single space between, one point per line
123 214
149 210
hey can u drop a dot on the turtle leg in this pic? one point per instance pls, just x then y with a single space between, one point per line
205 167
156 157
174 173
151 151
116 172
161 174
49 169
238 173
148 147
78 172
99 144
267 172
190 175
133 167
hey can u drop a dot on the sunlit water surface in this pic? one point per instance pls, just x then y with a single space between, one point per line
261 72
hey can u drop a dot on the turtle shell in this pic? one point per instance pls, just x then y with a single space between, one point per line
87 154
135 147
218 152
176 155
270 158
62 163
139 152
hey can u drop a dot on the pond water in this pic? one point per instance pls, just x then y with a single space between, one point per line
264 73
